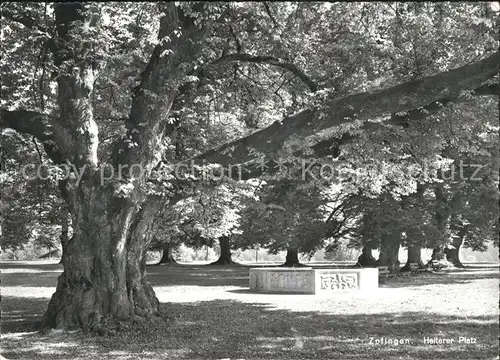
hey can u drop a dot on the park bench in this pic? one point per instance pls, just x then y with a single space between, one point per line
436 265
383 271
414 267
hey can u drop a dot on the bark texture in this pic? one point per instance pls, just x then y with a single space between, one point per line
65 219
366 258
104 265
104 281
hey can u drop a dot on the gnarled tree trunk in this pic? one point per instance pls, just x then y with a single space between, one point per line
104 264
366 258
225 252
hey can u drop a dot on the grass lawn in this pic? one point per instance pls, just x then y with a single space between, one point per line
211 314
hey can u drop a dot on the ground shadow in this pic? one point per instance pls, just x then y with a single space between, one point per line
45 275
231 329
22 314
38 279
33 266
234 329
213 275
462 276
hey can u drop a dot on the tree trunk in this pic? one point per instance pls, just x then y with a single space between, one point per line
104 264
292 258
64 232
167 256
452 255
441 216
414 257
225 252
389 251
437 254
366 258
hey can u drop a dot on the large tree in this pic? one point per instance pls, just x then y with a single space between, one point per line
104 262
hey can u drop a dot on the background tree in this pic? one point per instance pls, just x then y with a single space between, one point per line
296 218
32 210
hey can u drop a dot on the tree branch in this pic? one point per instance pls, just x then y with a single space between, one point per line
294 131
271 61
488 89
268 142
268 11
236 40
180 44
34 124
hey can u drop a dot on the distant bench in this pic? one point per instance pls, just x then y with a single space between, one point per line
383 271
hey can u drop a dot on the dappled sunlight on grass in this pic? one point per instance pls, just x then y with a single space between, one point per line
211 314
478 298
18 335
28 271
28 291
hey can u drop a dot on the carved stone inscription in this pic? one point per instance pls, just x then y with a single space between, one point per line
338 281
289 280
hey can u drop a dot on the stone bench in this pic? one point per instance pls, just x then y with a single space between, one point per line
312 281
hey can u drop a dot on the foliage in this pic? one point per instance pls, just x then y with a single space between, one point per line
291 215
31 209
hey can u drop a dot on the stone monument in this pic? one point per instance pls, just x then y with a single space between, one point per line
312 281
